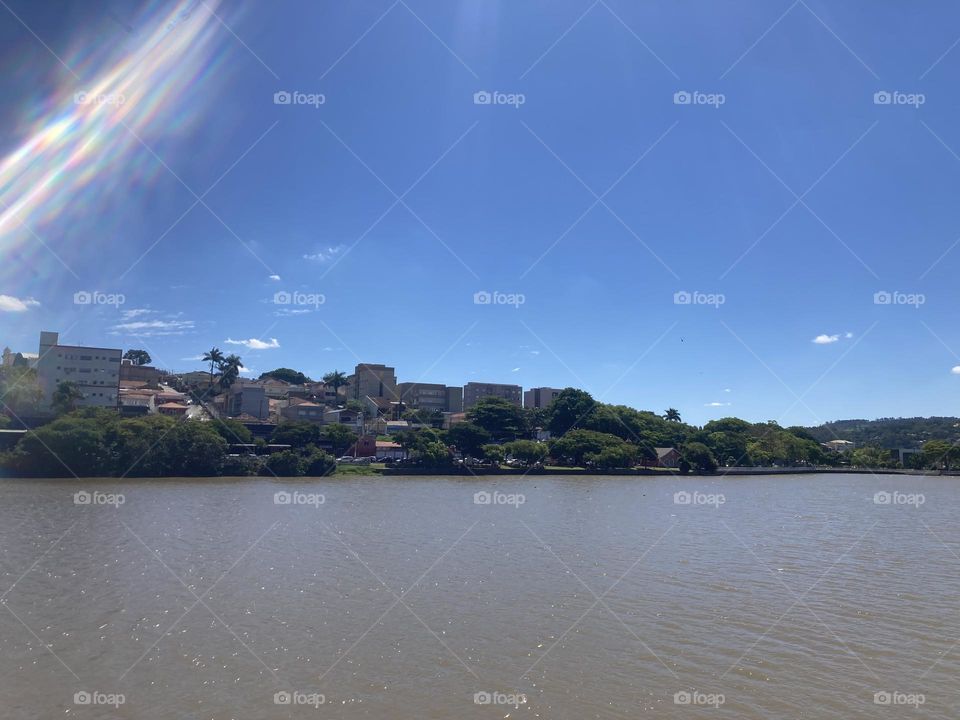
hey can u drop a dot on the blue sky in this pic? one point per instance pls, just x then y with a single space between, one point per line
782 197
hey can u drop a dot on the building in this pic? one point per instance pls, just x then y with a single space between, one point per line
426 396
94 371
246 397
173 409
372 380
455 399
839 446
540 397
18 359
303 411
146 374
387 450
474 392
667 457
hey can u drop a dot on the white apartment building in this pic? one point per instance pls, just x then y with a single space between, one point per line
94 371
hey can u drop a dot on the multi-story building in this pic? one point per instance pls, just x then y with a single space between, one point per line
373 380
540 397
455 399
473 392
423 396
94 371
246 397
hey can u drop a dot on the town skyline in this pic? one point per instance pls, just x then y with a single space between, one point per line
725 225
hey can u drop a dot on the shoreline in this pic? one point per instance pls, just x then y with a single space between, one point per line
511 472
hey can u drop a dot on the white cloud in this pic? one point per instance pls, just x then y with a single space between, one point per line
825 339
325 255
255 344
716 404
727 390
150 328
135 312
515 370
274 277
848 335
193 359
8 303
955 369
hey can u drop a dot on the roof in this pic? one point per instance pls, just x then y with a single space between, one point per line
661 452
174 406
306 403
386 445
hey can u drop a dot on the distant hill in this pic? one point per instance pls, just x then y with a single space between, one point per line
889 432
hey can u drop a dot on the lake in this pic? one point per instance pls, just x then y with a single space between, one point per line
813 596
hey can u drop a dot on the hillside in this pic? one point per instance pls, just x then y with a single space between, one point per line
889 432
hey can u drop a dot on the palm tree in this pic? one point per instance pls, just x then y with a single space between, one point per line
229 370
672 414
214 357
336 379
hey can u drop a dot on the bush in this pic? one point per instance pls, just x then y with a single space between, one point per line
624 456
241 466
318 463
287 463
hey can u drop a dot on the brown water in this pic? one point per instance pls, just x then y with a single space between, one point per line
796 597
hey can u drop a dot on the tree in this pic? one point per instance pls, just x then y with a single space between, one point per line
294 377
526 451
355 406
468 438
137 357
698 456
576 445
230 370
434 455
19 390
65 397
336 380
499 417
493 453
940 454
317 463
296 434
672 414
214 357
286 463
340 437
620 456
233 431
571 409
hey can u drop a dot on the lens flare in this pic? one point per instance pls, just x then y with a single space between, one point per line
95 145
